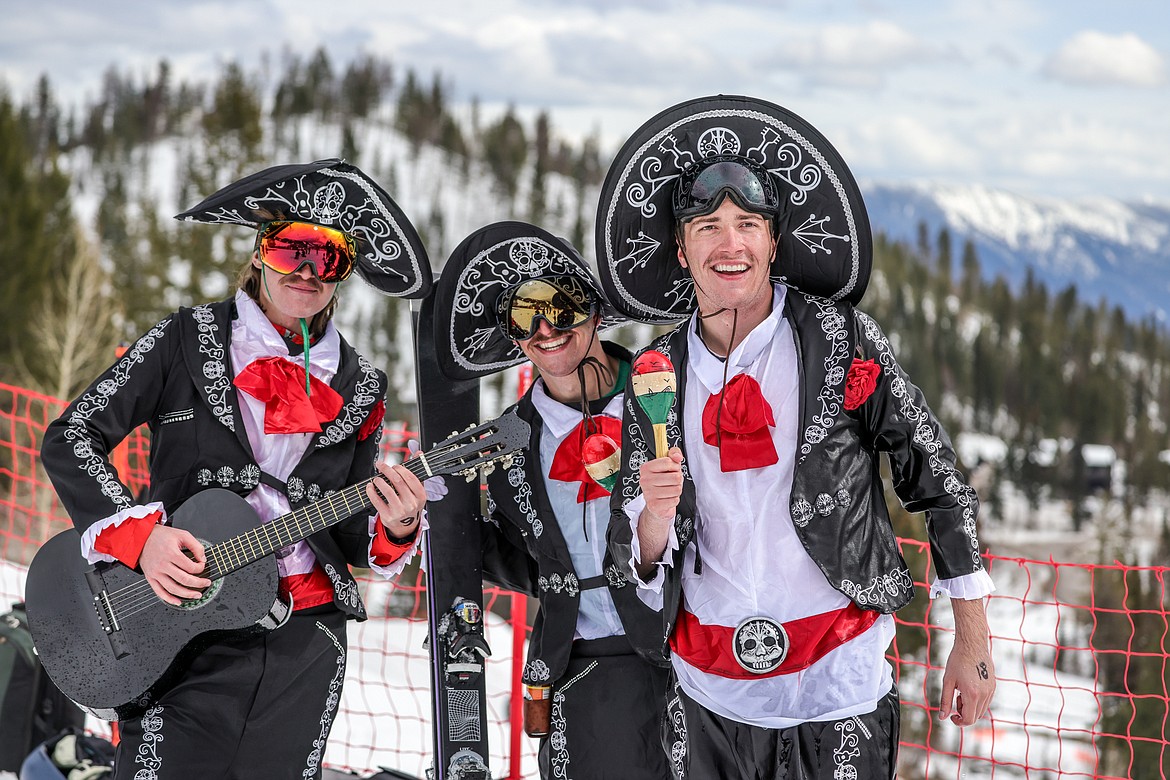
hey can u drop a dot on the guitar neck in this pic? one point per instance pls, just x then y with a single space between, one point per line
239 551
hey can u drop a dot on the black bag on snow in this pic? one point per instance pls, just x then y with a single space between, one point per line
32 709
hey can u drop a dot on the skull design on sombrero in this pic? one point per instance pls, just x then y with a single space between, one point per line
767 159
332 193
485 266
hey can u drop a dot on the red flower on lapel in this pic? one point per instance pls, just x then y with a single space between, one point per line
373 422
861 382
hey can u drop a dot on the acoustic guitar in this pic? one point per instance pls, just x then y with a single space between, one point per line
113 647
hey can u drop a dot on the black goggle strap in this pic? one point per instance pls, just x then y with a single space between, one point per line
604 378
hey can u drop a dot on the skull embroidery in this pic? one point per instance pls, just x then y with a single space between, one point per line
760 645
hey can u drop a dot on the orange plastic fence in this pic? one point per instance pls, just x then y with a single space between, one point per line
1080 651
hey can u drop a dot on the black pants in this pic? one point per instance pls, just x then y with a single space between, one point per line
704 745
250 707
606 716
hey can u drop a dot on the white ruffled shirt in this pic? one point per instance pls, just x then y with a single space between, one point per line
753 562
597 616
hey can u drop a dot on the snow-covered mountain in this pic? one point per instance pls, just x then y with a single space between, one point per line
1108 248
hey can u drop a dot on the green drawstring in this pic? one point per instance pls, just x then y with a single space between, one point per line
305 336
304 332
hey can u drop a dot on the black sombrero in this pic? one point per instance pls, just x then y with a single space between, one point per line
391 256
488 262
824 243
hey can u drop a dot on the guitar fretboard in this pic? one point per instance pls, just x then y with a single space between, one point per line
238 551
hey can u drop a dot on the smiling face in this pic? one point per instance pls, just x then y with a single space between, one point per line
286 298
557 353
729 255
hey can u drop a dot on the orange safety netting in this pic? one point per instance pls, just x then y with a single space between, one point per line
1080 650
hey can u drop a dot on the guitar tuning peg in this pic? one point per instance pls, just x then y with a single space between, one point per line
489 468
470 475
507 461
452 434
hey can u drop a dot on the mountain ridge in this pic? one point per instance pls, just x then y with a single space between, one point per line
1107 248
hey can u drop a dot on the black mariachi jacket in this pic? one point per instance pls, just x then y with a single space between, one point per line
177 378
524 550
837 502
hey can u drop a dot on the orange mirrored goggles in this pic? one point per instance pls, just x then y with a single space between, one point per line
286 246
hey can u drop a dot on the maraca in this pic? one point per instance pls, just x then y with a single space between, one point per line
654 387
602 458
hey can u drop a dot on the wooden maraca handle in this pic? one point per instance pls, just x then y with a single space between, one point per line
660 444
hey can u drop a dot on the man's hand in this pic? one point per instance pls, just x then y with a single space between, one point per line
172 559
969 677
661 482
399 497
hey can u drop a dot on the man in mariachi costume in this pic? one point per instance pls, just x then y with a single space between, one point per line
761 524
258 394
511 292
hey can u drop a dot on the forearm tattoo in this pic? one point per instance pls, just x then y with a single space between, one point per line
983 670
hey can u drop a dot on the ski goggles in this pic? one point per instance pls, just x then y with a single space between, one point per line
286 246
701 187
563 303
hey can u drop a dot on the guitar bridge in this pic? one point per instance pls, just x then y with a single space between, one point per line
105 613
107 617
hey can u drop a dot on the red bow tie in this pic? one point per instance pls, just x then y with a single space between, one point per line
742 436
567 465
281 386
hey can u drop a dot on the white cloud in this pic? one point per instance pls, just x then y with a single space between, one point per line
1095 59
877 44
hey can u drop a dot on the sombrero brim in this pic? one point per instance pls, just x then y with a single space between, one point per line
490 260
824 248
391 256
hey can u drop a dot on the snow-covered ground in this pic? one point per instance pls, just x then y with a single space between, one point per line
385 714
1043 715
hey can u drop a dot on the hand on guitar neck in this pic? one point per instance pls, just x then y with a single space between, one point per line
399 498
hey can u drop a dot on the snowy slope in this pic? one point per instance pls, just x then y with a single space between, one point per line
1107 248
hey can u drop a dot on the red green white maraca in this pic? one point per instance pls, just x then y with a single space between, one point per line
653 378
602 458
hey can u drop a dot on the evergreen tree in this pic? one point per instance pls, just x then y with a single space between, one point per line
37 231
505 148
537 194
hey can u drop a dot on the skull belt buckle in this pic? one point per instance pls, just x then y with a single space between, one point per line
759 644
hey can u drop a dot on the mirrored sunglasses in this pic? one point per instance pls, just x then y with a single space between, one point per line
521 308
286 246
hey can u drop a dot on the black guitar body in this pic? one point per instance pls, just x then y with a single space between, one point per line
114 647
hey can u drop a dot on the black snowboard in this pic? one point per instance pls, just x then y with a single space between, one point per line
454 575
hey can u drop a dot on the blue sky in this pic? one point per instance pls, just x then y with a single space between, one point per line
1058 98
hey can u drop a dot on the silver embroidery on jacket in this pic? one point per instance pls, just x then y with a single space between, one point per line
217 388
536 671
93 464
926 437
353 414
517 478
347 592
834 325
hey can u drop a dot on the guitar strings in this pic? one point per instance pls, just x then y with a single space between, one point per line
140 596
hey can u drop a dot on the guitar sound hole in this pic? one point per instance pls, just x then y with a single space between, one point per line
207 597
208 594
